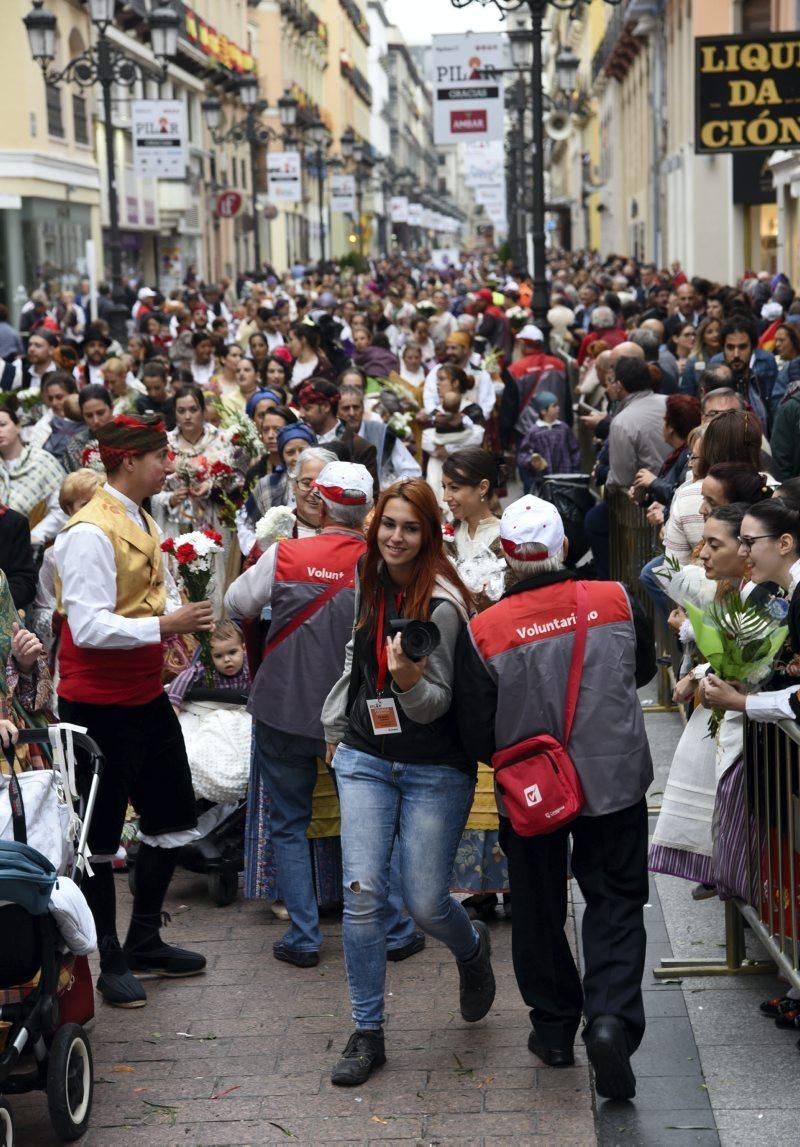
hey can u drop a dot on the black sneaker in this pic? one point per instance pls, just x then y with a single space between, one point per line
477 989
607 1045
414 945
121 990
363 1054
162 959
294 956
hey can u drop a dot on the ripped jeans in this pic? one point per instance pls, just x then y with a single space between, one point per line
427 807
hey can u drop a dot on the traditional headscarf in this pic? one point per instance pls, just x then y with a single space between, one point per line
125 436
295 430
259 396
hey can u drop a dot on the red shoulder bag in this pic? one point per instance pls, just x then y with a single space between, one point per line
536 777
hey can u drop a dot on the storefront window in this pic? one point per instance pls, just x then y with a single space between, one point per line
54 239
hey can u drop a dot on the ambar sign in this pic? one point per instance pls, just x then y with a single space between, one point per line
747 93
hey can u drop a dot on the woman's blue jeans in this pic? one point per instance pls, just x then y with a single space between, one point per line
426 807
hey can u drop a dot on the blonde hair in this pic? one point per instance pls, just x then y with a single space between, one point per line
114 365
78 484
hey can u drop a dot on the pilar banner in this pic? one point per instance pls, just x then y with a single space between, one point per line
747 93
467 87
159 138
398 209
284 179
343 193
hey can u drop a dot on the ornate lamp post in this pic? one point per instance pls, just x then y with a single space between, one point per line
354 150
526 53
320 139
251 131
105 64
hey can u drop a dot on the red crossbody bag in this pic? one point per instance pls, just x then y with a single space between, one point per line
536 777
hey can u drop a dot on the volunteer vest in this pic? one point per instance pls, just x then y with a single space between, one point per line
526 639
295 678
118 676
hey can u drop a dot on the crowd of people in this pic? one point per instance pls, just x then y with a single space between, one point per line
336 448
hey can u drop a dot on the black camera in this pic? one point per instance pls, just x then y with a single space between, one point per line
418 639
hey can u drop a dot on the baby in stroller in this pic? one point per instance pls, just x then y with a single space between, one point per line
217 731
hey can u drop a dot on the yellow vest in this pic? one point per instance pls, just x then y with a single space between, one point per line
137 556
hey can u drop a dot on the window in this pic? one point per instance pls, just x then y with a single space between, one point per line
55 117
756 16
80 122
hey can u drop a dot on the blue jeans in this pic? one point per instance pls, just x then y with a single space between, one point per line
288 767
426 808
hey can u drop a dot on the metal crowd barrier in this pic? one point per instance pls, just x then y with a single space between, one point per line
770 861
772 840
633 542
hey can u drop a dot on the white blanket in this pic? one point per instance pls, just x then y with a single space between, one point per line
217 738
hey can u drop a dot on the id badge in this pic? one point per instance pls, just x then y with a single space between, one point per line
384 717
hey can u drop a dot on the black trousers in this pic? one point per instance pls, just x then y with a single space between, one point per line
609 861
146 763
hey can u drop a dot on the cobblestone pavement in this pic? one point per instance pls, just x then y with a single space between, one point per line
242 1054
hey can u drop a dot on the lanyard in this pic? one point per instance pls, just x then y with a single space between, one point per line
380 641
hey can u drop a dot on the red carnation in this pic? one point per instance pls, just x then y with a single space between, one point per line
186 554
168 545
221 470
447 530
214 536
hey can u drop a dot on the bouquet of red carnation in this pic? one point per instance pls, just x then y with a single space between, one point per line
227 490
194 555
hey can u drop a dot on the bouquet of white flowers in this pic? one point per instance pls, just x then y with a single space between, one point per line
194 555
239 430
483 573
277 523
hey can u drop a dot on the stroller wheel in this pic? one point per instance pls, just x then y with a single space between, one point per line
70 1082
6 1125
223 886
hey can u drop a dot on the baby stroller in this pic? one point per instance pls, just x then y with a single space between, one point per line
218 854
46 992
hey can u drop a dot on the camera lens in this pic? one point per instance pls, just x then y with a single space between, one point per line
417 638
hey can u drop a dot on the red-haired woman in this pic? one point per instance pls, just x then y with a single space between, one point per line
400 766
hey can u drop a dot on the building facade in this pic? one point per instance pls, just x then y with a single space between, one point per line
627 179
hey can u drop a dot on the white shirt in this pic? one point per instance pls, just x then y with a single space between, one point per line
482 391
203 373
84 558
274 340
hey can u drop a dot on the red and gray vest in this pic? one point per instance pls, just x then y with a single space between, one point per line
525 641
295 678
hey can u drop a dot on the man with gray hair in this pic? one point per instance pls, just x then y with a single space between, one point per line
519 649
310 585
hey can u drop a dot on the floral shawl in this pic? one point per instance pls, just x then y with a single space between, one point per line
24 700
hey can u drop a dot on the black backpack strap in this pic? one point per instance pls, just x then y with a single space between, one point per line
15 799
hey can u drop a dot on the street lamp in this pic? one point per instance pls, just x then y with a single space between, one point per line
107 65
320 139
248 130
526 52
354 151
287 110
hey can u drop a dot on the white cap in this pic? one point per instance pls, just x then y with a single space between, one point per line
346 484
532 520
531 334
146 293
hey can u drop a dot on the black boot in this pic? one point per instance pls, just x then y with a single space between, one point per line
115 983
476 994
145 951
363 1054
